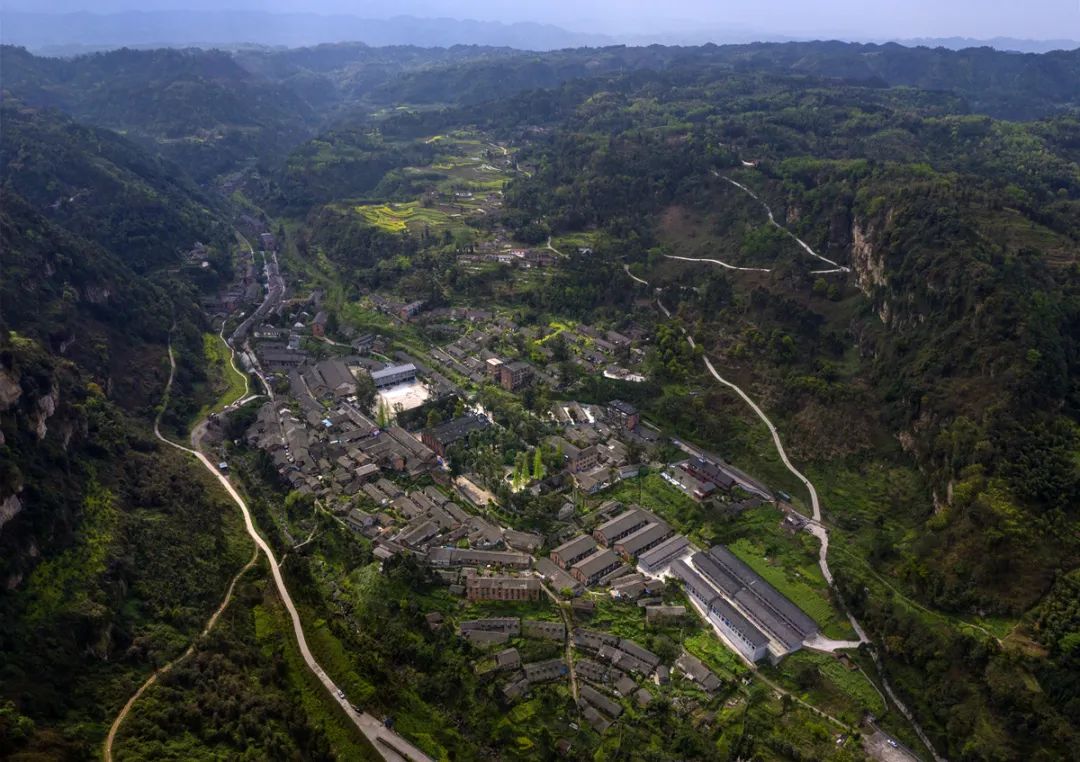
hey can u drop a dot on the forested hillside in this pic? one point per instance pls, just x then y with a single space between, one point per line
952 345
200 109
111 553
214 112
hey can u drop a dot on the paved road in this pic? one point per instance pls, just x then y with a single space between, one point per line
818 530
718 262
374 730
634 277
275 292
821 643
816 527
110 739
884 748
390 745
836 266
368 725
232 362
750 485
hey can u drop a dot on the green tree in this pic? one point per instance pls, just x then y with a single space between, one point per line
538 464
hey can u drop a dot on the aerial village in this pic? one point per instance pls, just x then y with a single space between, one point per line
448 435
341 427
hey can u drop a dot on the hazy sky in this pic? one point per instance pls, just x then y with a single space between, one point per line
1037 19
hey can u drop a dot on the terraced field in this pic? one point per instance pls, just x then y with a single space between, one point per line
397 218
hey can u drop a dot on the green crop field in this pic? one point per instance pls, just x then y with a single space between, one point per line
219 357
398 218
225 384
825 682
718 657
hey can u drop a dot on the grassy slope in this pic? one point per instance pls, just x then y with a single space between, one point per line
226 384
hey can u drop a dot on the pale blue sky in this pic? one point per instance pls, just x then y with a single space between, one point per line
1037 19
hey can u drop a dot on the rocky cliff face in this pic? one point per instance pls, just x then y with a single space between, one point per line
29 403
10 391
10 507
866 261
29 410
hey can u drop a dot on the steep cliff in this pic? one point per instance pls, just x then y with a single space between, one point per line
112 548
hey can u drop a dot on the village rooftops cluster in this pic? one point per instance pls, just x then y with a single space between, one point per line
700 477
322 443
330 453
440 437
244 290
595 443
475 356
608 554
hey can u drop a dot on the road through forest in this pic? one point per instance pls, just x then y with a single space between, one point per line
387 743
816 527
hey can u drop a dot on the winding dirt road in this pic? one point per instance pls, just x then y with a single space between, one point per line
816 527
836 266
633 277
818 530
725 265
110 739
390 745
164 669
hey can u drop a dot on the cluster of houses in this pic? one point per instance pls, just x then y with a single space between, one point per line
499 251
403 310
608 667
445 435
486 633
607 352
470 356
245 288
429 524
608 556
476 356
699 477
594 442
322 443
611 663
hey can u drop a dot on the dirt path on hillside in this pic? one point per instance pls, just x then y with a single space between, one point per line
387 743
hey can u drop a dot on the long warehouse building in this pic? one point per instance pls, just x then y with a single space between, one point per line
773 598
742 633
766 607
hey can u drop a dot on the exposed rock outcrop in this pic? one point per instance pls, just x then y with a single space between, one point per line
10 507
10 391
44 409
867 262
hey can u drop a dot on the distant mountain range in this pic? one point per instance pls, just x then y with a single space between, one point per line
999 43
81 32
73 33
